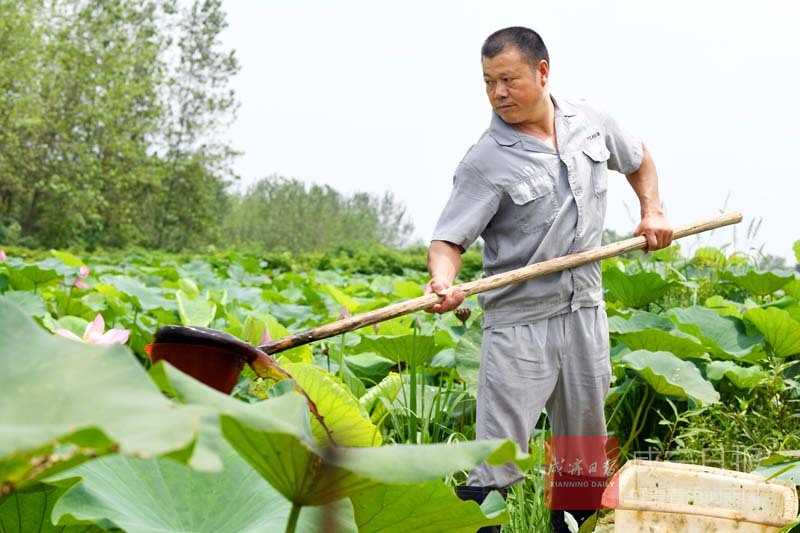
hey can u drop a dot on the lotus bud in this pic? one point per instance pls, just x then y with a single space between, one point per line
463 313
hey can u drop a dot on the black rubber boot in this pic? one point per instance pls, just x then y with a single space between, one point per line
559 525
478 494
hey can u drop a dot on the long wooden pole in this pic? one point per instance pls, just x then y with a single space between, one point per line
492 282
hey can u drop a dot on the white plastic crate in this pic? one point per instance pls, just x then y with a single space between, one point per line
674 497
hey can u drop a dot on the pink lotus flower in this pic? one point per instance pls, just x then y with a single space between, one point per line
83 273
265 338
2 255
94 333
79 282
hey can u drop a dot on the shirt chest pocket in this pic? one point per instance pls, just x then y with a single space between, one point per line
597 157
533 203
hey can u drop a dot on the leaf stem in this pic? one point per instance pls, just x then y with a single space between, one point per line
412 418
291 525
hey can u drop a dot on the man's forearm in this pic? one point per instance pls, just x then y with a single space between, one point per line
645 184
653 226
444 261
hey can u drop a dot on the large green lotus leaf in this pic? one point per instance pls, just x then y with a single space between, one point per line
377 400
341 298
246 296
307 475
648 331
67 258
445 339
671 376
201 271
75 324
403 325
708 256
725 337
29 510
277 331
383 284
25 277
411 463
419 508
195 312
291 314
370 367
792 289
445 359
158 495
146 298
724 307
189 288
638 321
400 348
294 467
634 290
743 377
22 468
759 283
407 289
345 417
796 249
51 386
285 414
468 355
794 312
656 340
31 303
780 330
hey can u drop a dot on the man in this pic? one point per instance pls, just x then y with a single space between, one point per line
534 187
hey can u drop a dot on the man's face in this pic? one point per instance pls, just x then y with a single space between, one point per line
516 92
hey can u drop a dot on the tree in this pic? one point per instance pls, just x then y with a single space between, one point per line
106 141
81 102
278 213
195 171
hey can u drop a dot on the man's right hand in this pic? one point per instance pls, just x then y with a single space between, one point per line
453 297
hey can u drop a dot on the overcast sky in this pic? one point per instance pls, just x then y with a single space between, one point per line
376 96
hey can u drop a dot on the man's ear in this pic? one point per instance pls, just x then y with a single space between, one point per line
543 68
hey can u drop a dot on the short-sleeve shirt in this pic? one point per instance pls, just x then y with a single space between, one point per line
531 203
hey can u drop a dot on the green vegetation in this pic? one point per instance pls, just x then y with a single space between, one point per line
111 115
704 353
281 214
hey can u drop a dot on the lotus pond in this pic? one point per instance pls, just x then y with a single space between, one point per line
93 437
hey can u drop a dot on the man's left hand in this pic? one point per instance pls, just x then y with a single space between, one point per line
656 230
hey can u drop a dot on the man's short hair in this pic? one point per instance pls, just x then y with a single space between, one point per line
527 41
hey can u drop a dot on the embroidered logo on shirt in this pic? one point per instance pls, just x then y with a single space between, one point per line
594 135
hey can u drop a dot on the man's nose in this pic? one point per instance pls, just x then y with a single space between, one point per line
500 90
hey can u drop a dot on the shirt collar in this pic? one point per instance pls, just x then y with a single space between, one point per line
505 135
563 107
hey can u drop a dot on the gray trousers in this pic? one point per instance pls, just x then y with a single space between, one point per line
561 363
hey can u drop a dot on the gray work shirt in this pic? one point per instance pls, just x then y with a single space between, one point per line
531 203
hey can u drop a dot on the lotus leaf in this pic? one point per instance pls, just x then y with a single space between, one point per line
634 290
671 376
725 337
780 330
